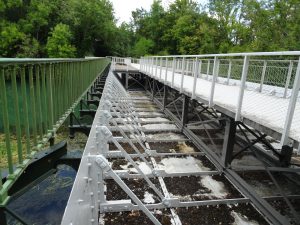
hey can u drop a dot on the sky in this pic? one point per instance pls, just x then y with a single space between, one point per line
123 8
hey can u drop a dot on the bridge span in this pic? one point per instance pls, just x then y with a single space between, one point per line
174 140
225 122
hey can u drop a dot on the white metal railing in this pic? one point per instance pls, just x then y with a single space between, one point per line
269 73
126 62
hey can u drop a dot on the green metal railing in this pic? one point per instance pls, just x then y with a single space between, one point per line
36 97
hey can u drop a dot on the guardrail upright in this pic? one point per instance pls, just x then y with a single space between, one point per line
182 74
263 76
288 79
166 71
242 88
173 71
291 107
213 82
196 72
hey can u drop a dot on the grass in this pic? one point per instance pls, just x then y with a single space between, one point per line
62 134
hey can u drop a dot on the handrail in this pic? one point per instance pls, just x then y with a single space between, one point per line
36 97
283 53
270 73
46 60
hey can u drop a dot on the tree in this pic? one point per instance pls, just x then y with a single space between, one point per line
59 42
143 47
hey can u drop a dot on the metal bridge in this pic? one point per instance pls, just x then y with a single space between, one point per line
174 139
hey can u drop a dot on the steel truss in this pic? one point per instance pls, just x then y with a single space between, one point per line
191 115
117 113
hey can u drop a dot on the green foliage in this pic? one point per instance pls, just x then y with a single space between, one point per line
11 39
59 42
32 28
143 47
220 26
29 28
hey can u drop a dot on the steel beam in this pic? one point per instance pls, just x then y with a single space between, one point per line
185 107
229 140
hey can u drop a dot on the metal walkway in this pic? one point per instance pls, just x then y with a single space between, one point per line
263 93
126 152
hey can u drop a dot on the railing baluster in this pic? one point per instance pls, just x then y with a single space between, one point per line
291 107
213 82
263 76
38 102
44 99
173 71
207 71
25 110
229 71
160 67
242 89
196 77
156 65
166 72
6 122
182 74
17 114
50 94
288 79
33 105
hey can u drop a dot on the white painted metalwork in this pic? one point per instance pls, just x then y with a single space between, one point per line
258 86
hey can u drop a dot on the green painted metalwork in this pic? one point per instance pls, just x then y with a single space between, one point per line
37 96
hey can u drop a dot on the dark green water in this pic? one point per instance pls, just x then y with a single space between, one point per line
44 203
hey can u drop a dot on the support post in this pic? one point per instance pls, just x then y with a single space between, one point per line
185 107
71 134
3 220
165 97
126 80
152 91
146 78
229 139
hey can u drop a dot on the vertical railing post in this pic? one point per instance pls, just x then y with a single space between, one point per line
25 109
291 107
3 98
146 65
160 67
196 72
208 67
182 74
156 65
229 71
17 115
33 104
50 94
263 76
213 82
288 79
152 67
242 89
173 72
166 72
